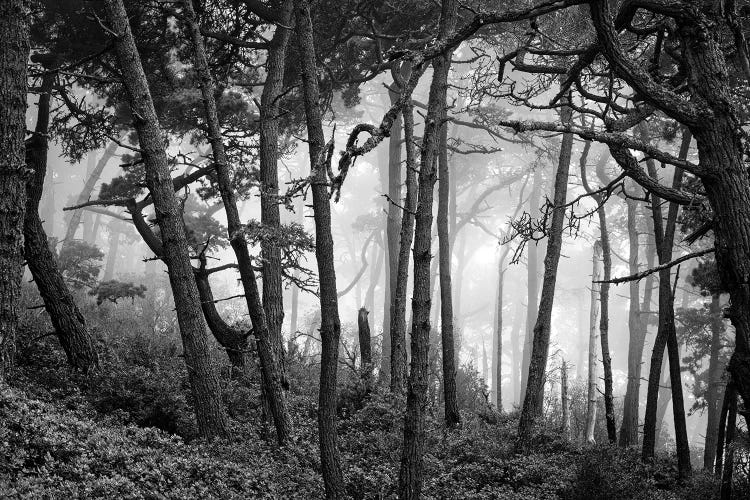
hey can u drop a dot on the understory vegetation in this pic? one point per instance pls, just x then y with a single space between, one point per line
126 431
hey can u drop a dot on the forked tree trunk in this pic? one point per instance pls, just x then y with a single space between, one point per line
592 394
330 329
534 397
666 334
450 399
212 421
66 318
269 348
14 52
410 474
398 312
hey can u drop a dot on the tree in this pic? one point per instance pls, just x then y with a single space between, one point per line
533 399
441 67
14 51
410 475
269 350
593 341
330 327
204 383
78 266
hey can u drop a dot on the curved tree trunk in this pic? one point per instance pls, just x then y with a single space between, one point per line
330 328
534 397
450 399
212 421
66 318
269 347
14 52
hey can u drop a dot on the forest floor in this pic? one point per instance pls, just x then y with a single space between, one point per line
126 431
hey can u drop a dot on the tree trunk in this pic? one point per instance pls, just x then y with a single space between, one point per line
232 340
637 330
330 329
729 395
609 407
398 312
269 345
112 253
565 400
714 383
66 318
85 194
726 476
534 397
593 341
497 362
204 383
14 51
532 277
365 347
410 474
450 399
666 334
392 229
273 91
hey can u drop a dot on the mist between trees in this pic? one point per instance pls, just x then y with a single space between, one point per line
301 249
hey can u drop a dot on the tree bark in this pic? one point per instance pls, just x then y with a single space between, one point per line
85 194
593 341
450 399
398 312
269 348
66 318
14 51
212 421
534 397
410 474
330 329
